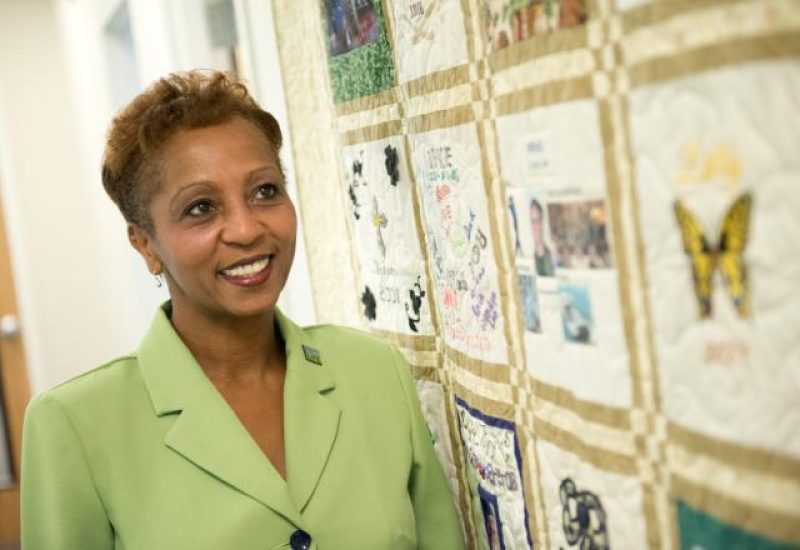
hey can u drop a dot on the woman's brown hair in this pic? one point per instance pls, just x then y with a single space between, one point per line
179 101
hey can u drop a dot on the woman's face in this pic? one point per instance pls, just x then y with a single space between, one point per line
536 224
223 225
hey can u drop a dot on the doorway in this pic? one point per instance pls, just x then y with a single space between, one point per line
14 396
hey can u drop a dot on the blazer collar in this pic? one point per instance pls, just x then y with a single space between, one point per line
208 433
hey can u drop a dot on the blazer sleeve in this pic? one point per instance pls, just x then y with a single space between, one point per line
438 526
61 509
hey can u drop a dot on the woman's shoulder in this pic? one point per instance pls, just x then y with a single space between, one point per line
353 344
92 391
355 351
344 336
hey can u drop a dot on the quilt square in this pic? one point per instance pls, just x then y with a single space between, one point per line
379 194
448 167
510 21
494 469
588 507
561 229
430 36
716 169
432 401
359 54
699 530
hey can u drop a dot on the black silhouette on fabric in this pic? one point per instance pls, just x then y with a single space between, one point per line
512 207
583 518
415 294
391 164
370 305
354 199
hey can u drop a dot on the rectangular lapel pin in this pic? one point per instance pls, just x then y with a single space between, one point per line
312 355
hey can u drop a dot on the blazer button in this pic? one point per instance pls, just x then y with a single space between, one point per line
300 540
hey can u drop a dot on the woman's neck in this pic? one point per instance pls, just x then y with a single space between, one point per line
231 349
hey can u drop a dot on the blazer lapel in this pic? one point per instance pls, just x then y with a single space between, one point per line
311 417
207 431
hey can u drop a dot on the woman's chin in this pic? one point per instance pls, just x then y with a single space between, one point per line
226 306
251 308
231 311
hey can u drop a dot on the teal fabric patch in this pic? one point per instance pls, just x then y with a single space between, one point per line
312 355
700 531
359 53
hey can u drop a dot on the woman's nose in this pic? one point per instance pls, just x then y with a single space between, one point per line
242 226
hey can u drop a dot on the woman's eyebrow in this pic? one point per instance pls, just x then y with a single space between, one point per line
264 168
205 184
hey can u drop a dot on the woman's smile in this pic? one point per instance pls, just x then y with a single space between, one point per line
249 272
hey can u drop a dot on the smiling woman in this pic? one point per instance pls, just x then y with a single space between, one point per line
226 226
230 426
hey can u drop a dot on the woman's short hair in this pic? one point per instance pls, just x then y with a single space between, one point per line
179 101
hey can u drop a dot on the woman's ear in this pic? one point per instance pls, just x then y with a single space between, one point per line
142 241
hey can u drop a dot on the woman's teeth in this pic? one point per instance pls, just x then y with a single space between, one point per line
248 269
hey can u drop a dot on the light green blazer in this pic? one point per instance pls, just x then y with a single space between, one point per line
144 454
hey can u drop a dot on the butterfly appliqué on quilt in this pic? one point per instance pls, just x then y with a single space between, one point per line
727 254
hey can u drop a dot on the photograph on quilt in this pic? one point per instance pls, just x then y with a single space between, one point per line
576 313
541 232
530 302
359 53
386 242
494 471
351 24
530 228
516 199
491 519
579 233
510 21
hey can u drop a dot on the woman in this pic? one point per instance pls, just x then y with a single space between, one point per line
542 257
230 427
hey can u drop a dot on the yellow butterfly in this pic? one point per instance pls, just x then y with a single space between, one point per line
728 255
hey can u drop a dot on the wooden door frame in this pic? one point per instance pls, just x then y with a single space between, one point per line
16 390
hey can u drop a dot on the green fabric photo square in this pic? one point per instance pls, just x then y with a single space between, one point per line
359 54
701 531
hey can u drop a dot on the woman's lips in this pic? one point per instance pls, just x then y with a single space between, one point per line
252 274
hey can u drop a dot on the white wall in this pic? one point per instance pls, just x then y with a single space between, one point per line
70 283
84 295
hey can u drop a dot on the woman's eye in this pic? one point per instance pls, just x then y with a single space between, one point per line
199 208
267 191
